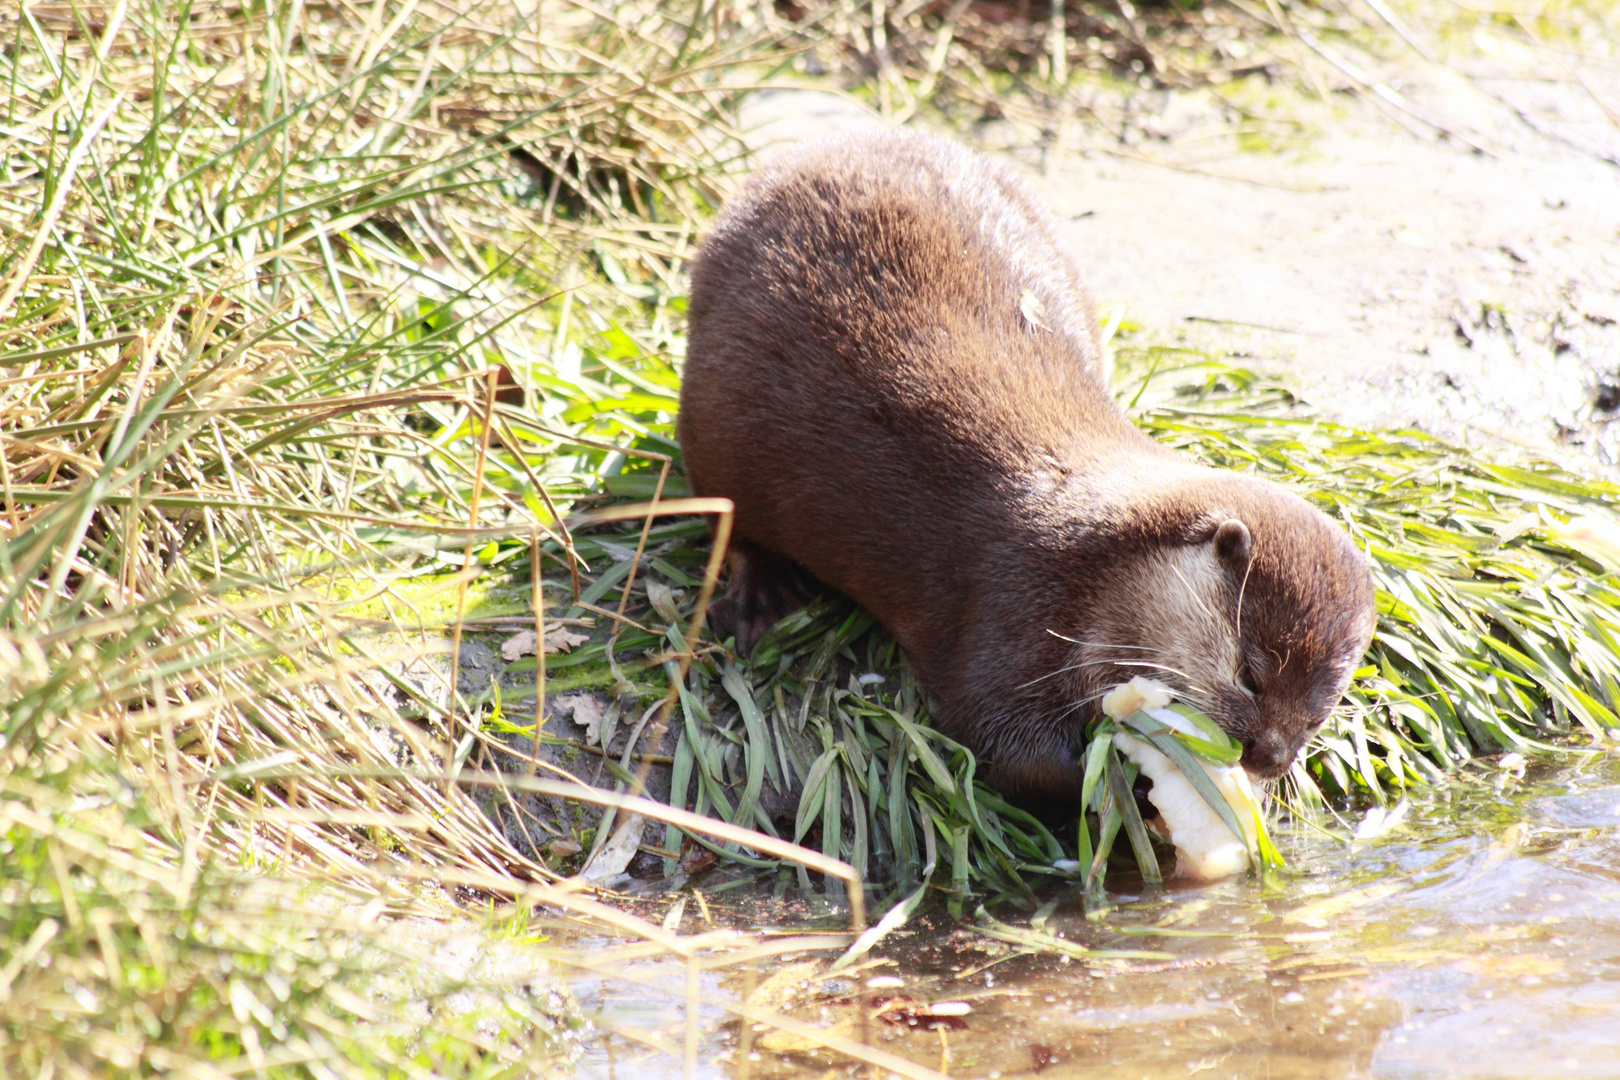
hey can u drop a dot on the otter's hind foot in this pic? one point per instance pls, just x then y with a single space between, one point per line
764 589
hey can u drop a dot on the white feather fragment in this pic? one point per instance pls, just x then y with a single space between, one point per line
1033 310
1205 846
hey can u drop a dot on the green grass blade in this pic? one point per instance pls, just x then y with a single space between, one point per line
1120 788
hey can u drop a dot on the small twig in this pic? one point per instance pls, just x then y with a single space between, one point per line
936 59
467 557
1152 159
617 617
641 547
1609 109
650 759
1383 12
1388 96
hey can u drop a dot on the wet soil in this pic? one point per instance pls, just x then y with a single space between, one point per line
1458 272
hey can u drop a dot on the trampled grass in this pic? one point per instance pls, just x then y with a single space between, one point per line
269 272
1497 631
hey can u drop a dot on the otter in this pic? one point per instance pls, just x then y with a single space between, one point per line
895 372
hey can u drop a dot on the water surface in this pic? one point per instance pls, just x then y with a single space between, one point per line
1480 938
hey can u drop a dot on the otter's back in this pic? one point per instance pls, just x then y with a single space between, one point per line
917 266
884 330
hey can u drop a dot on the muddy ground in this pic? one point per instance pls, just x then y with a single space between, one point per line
1448 258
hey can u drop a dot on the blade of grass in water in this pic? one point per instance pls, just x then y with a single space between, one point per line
1119 789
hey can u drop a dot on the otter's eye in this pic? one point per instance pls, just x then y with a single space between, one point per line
1245 682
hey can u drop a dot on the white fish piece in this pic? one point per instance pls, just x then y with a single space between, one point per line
1139 693
1205 846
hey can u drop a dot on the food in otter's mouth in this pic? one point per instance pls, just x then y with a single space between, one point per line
1206 847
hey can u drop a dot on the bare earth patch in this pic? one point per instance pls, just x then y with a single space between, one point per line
1467 283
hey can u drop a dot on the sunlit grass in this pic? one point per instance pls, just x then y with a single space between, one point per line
268 275
1496 632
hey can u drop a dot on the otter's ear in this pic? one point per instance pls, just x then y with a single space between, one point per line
1232 542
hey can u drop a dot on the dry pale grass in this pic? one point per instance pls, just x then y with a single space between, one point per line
268 276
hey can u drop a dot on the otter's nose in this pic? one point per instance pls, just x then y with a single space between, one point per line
1267 756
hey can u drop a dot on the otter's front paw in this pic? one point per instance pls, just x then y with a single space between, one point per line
765 588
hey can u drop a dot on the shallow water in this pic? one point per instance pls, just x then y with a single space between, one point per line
1480 938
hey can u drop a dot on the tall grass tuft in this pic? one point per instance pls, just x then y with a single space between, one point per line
276 281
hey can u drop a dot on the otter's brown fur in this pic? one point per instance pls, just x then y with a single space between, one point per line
894 370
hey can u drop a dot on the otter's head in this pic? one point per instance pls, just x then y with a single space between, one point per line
1256 609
